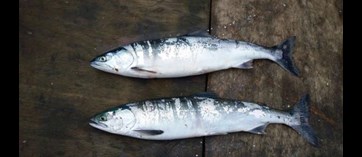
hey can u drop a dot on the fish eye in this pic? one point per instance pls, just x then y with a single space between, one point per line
103 118
102 59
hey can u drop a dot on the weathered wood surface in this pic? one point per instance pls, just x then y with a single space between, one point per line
59 91
318 26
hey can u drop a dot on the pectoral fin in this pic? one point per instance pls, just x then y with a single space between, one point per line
139 69
246 65
150 132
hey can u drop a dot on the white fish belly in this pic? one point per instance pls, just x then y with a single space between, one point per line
184 119
202 55
176 120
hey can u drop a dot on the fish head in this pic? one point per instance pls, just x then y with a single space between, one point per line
118 121
117 61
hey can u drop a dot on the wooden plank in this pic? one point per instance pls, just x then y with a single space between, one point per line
318 54
59 91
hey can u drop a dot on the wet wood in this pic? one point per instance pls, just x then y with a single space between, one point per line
59 91
318 54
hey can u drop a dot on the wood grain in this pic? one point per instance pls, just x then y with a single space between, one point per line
59 91
318 26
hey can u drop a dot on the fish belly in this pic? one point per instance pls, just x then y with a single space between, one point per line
185 118
200 55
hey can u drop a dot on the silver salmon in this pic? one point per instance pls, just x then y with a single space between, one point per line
190 55
199 115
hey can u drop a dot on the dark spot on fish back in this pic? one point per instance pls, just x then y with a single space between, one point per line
182 40
195 104
156 44
239 104
183 101
133 45
212 47
116 50
125 107
144 46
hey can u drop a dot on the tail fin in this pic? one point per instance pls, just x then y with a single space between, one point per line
301 112
286 61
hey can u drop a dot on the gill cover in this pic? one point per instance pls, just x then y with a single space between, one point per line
128 118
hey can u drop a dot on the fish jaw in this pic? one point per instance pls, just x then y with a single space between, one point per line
115 61
105 68
96 65
94 123
102 126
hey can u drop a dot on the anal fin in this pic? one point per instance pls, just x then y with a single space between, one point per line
246 65
259 130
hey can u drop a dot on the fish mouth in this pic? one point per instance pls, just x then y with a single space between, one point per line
97 66
94 64
94 60
97 125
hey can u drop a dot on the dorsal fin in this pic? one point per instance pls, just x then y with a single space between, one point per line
206 94
199 33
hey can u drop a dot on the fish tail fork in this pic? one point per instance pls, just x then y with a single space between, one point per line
301 112
286 61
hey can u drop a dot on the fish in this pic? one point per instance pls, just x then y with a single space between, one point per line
189 55
200 115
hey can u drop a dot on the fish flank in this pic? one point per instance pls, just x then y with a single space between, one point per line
193 55
195 116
